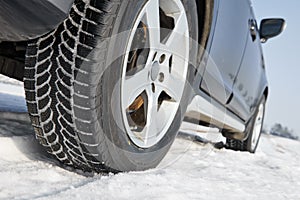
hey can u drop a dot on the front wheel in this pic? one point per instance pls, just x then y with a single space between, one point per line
107 89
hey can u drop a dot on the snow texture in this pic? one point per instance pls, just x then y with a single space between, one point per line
10 81
189 171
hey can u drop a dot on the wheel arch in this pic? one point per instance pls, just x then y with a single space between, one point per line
25 20
205 10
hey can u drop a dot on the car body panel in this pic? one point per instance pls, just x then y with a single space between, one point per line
27 19
251 79
234 74
226 53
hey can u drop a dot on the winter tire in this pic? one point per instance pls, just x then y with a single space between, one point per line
107 90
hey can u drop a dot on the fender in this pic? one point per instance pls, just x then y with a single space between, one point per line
22 20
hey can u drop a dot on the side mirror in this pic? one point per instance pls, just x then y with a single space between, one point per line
270 28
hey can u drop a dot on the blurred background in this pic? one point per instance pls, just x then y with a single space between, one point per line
282 55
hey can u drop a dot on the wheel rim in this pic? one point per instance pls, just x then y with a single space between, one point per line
154 71
257 126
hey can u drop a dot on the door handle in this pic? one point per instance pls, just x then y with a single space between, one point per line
253 29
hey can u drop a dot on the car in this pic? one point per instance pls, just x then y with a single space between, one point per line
108 83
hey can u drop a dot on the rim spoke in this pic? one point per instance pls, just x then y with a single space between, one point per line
173 85
176 43
151 128
134 86
152 15
151 56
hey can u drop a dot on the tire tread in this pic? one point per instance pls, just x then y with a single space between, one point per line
58 63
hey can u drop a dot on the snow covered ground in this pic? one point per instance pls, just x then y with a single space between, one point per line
189 171
9 81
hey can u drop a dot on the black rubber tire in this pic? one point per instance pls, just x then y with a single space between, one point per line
246 145
71 82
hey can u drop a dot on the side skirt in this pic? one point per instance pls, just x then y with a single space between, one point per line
208 111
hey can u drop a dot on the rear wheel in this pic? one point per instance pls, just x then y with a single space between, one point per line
107 89
254 132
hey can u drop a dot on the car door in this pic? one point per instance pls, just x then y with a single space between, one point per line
227 48
251 79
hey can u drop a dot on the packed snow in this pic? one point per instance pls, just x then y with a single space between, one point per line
9 81
189 171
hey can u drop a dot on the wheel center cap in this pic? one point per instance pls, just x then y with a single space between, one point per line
154 71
